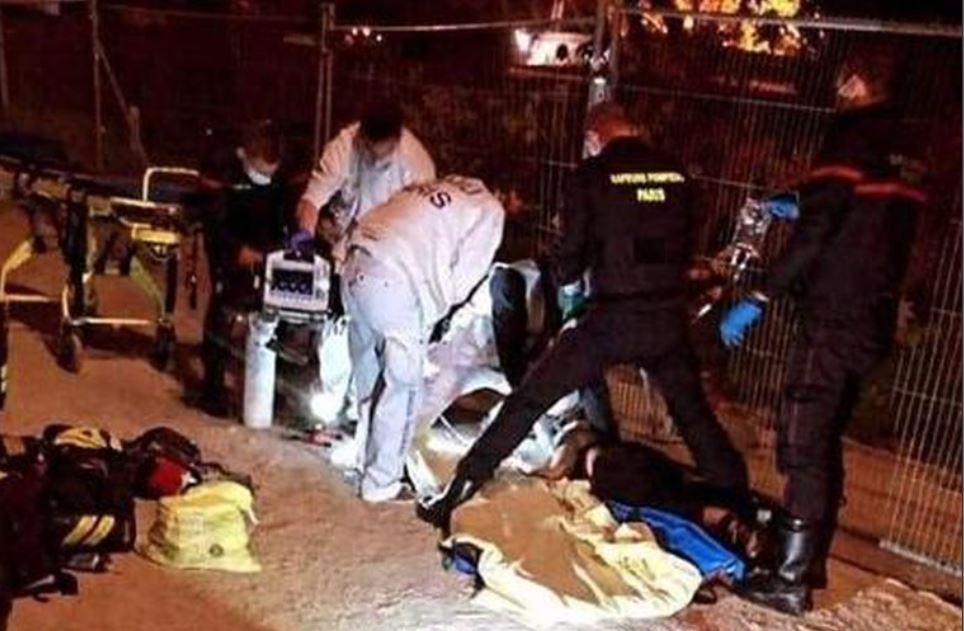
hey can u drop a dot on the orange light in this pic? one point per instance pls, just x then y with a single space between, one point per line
745 35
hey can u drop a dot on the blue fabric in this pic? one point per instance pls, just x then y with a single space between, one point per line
464 559
464 565
684 539
737 320
783 206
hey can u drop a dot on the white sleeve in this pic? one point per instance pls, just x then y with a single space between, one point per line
418 165
477 248
333 169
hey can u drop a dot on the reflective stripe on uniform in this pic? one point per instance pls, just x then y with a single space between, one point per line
891 189
89 530
87 438
836 171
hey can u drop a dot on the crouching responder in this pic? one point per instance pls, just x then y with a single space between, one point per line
627 220
246 217
848 254
410 261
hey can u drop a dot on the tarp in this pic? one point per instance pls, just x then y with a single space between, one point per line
552 552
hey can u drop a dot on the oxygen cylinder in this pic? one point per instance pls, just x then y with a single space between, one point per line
259 372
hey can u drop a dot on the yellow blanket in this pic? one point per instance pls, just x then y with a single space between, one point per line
552 552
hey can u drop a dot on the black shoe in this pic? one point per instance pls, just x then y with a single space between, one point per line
214 402
437 510
786 586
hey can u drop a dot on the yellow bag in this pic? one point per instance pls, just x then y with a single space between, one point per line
205 528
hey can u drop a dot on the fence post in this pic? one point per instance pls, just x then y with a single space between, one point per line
98 102
323 91
4 77
598 85
614 42
329 69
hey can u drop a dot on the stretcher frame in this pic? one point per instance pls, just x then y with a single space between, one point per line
154 227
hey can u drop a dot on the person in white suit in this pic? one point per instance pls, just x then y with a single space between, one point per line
409 263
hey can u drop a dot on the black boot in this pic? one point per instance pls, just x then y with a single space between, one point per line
817 575
213 398
438 510
785 587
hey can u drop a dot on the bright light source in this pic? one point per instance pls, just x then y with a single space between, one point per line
325 406
523 40
354 32
366 31
378 38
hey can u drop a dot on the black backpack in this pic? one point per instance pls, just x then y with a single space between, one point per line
89 496
29 563
19 453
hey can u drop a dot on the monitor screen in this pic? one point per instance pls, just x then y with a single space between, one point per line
295 281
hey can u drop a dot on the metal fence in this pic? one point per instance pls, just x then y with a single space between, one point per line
749 121
475 103
743 103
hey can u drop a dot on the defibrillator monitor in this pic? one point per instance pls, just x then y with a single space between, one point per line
296 286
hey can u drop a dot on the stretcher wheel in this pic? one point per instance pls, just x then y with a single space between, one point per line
70 349
164 344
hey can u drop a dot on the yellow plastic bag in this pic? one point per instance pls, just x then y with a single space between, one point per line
205 529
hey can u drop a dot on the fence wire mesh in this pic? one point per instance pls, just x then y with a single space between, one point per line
50 87
195 78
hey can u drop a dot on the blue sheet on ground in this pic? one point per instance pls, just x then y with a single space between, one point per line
685 539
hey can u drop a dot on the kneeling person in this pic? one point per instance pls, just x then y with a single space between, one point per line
410 261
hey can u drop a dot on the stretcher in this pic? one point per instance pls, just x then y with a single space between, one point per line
101 226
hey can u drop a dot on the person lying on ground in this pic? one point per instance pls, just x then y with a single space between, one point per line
638 475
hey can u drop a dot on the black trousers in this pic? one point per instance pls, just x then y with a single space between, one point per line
638 475
215 344
510 317
827 363
612 333
231 294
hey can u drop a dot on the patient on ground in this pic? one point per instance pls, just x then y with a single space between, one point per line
638 475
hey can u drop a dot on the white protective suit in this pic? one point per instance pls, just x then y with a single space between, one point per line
410 261
346 170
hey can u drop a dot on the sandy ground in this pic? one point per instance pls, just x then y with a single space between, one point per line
330 561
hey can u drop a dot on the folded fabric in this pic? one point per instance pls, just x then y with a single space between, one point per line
205 529
686 539
551 552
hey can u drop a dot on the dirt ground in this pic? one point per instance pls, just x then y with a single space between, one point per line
330 561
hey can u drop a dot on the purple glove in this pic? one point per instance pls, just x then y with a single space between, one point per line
300 240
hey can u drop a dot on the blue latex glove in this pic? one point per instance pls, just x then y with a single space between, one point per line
783 206
572 301
300 240
738 319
